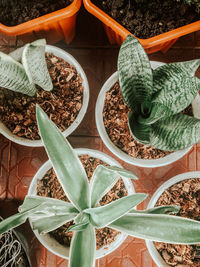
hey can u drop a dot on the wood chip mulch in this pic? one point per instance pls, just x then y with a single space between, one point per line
185 194
62 104
49 186
115 116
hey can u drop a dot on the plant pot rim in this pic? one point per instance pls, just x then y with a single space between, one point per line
34 23
150 163
50 243
178 178
38 143
146 43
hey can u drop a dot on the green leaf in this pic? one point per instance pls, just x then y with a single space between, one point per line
104 178
156 227
164 75
34 62
83 248
14 77
135 73
175 133
158 210
140 132
177 93
104 215
34 201
50 223
67 166
82 221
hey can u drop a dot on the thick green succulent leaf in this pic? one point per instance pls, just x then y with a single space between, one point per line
164 75
83 248
158 210
156 227
104 215
175 96
14 77
140 132
104 178
82 221
34 201
67 166
175 133
50 223
135 73
33 60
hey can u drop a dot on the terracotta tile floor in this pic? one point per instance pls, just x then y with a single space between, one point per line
18 164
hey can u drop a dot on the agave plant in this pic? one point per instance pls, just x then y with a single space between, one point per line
157 97
47 214
23 76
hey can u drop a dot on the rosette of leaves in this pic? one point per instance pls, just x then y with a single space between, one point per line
30 70
47 214
157 97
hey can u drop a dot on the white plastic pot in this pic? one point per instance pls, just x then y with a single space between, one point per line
178 178
49 242
70 59
151 163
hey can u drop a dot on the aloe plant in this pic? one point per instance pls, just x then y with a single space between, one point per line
47 214
22 77
157 97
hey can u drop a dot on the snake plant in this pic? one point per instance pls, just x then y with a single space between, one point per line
23 76
157 97
47 214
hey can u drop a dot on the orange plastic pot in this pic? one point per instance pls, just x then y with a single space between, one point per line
117 33
54 26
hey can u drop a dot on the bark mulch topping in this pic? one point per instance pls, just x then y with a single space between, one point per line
12 253
50 187
62 104
185 194
149 18
115 116
14 12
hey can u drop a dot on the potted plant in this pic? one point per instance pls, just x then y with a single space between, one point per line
65 96
130 13
47 213
139 118
33 20
183 189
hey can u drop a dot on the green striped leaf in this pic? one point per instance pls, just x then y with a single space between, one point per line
33 60
104 178
67 166
135 74
156 227
83 248
14 77
175 133
140 132
164 75
176 94
104 215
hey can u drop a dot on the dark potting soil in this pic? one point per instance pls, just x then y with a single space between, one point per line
185 194
12 251
149 18
115 117
14 12
62 104
49 186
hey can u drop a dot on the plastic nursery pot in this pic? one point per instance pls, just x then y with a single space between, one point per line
70 59
50 243
151 163
178 178
53 27
117 33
